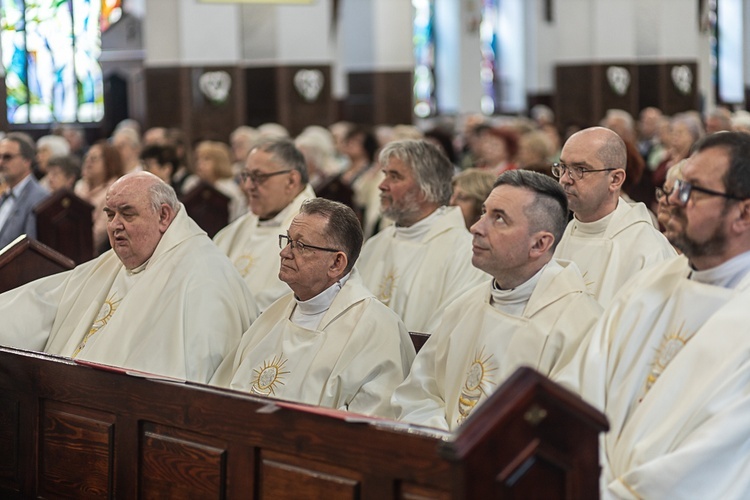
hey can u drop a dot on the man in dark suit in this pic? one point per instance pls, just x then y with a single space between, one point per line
22 192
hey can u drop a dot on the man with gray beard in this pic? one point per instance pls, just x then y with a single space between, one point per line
423 262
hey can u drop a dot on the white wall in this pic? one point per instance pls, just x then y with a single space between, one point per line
184 33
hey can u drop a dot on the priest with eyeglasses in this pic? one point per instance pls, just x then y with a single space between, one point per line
330 342
669 360
608 238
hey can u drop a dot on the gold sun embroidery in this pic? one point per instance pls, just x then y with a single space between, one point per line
589 283
244 263
478 384
387 287
102 318
670 346
270 374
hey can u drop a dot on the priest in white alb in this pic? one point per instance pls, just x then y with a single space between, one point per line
608 238
422 263
669 361
275 183
330 342
533 312
164 300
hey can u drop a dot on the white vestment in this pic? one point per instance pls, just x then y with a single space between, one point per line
418 278
477 346
669 364
609 252
178 316
355 358
253 246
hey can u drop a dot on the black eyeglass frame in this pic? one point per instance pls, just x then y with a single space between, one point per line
685 189
260 178
301 246
559 169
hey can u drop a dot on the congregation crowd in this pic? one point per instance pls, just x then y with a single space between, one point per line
613 259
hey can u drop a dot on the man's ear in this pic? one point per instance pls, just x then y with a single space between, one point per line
617 179
339 265
166 216
543 241
295 178
742 223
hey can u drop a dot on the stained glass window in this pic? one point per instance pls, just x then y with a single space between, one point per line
50 52
424 58
488 30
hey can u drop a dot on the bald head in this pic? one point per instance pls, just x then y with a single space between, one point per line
601 155
140 207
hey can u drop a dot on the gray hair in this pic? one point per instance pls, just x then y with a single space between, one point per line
432 169
343 226
26 145
285 152
56 144
549 210
160 193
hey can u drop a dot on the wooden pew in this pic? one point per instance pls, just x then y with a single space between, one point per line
70 430
208 207
26 260
63 222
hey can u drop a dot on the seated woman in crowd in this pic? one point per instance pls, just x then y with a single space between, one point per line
102 166
213 165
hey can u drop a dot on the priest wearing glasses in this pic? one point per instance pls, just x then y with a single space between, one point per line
669 360
330 342
609 239
275 182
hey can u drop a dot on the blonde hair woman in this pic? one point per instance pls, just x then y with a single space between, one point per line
470 188
213 165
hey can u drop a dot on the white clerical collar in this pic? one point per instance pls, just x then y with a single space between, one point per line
308 313
418 230
726 275
514 301
137 269
596 228
278 219
274 221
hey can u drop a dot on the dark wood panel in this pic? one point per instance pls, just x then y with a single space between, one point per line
379 98
176 440
295 111
415 492
64 223
27 260
9 432
285 476
76 451
208 207
215 119
672 94
584 92
179 464
261 96
165 96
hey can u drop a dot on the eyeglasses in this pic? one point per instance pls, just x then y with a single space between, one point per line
285 240
575 173
685 189
259 178
662 195
8 156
